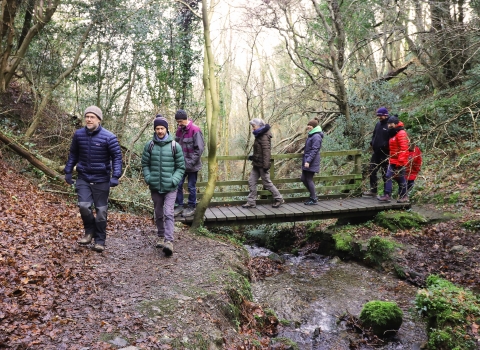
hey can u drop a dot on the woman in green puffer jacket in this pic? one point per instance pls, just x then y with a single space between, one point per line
163 167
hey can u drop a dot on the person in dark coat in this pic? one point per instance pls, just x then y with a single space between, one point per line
311 158
379 160
98 157
262 148
190 137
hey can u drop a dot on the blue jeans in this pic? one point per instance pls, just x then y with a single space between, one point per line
398 173
192 189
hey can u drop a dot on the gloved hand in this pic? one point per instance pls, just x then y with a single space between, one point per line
68 179
113 182
266 169
250 157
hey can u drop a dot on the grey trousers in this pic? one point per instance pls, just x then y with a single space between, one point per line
163 204
96 194
256 174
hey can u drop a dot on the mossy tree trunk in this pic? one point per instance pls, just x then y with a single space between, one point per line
212 110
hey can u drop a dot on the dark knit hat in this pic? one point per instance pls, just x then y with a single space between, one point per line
393 119
160 120
95 110
181 115
313 123
382 111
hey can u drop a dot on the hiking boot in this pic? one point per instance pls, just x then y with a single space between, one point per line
178 210
249 205
160 242
168 248
86 239
385 198
310 201
403 199
190 211
278 203
368 194
98 247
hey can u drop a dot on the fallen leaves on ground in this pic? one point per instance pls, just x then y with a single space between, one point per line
49 284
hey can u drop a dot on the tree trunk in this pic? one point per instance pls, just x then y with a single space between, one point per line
12 144
213 108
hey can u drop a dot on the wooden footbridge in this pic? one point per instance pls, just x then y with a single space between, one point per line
339 193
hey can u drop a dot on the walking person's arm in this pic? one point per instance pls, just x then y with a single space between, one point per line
266 144
146 157
314 149
116 157
198 147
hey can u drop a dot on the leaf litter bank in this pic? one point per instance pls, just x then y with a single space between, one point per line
56 294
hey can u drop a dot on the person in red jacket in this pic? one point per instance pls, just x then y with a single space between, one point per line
398 161
413 166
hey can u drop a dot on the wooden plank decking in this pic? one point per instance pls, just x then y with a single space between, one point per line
294 211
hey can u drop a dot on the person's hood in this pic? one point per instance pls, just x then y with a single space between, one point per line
316 129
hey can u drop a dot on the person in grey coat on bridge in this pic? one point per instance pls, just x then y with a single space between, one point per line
311 158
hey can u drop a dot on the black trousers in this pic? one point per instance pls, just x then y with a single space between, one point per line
93 194
378 162
307 179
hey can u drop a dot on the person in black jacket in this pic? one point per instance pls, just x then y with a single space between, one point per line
98 157
379 160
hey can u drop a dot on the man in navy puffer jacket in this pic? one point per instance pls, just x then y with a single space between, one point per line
98 157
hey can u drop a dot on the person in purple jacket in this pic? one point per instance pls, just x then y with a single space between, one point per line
98 157
311 158
190 137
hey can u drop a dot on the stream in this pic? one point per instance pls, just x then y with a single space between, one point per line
314 290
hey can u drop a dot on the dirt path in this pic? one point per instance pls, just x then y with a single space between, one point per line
56 294
143 298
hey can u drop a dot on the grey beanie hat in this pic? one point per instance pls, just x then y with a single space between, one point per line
257 121
95 110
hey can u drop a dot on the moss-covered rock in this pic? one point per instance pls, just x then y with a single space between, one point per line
384 317
450 312
395 220
379 250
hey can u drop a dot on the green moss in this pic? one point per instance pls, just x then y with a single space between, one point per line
270 312
449 310
379 249
454 197
473 225
238 289
203 231
344 238
153 308
384 317
395 220
197 342
290 344
399 271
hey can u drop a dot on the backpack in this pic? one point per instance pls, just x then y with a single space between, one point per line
174 147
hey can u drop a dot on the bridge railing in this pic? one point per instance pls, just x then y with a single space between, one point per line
340 176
